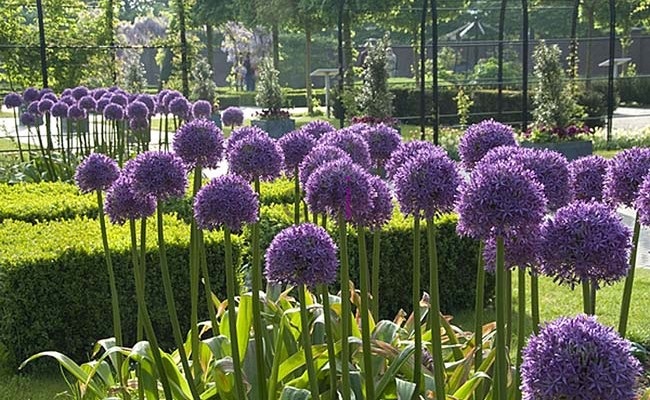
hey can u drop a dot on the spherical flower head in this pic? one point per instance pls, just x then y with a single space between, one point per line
59 110
240 133
199 143
351 142
114 112
202 109
427 185
301 255
340 188
88 103
169 96
28 119
69 100
120 99
295 146
624 175
578 358
98 93
66 92
499 199
227 201
382 142
79 92
101 104
122 203
49 95
33 107
318 128
149 101
521 249
137 110
30 94
642 203
180 107
232 116
585 241
96 172
479 138
586 177
318 156
158 174
138 125
408 150
256 156
45 106
13 100
382 205
76 113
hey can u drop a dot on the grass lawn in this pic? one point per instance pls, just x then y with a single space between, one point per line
30 387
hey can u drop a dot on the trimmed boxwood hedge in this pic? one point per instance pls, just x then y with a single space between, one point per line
54 292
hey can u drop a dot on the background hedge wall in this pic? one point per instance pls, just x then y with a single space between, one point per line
54 292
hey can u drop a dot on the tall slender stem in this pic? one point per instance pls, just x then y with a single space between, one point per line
195 256
20 148
434 312
586 297
345 308
208 286
534 301
500 392
240 392
171 303
365 320
306 344
297 197
592 297
417 371
478 320
376 266
521 325
257 313
329 332
629 281
508 306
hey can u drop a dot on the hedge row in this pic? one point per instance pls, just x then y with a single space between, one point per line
54 292
634 89
292 98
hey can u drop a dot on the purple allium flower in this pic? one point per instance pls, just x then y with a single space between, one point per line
318 156
137 110
201 109
227 201
28 119
13 100
240 133
479 138
340 188
295 146
427 184
498 199
45 106
66 92
169 96
59 110
301 255
122 203
120 99
586 177
180 107
642 203
96 172
149 101
232 116
318 128
199 143
382 205
580 359
132 97
382 142
69 100
76 113
585 241
114 112
406 151
256 156
158 174
98 93
521 249
624 175
33 107
351 142
30 94
138 125
101 104
79 92
87 103
49 96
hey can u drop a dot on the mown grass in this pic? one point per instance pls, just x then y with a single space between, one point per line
30 387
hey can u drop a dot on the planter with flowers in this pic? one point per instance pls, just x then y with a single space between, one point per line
272 119
573 141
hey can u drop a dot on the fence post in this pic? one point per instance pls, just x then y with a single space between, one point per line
341 66
610 71
423 50
502 18
524 67
184 61
436 88
110 28
41 36
573 56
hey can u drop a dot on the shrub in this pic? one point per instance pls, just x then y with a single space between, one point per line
53 273
634 89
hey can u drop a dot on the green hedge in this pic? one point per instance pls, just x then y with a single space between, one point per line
634 89
457 256
54 292
292 98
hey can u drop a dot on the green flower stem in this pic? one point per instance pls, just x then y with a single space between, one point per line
257 313
208 287
365 318
143 267
306 212
500 392
275 369
629 280
478 319
48 164
521 326
138 269
296 197
417 371
171 303
323 220
306 344
508 306
345 308
534 300
593 290
376 242
434 312
195 257
20 148
586 297
240 392
329 332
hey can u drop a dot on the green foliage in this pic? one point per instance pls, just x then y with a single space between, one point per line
133 73
621 139
463 103
269 92
634 89
375 100
52 275
486 72
292 52
202 83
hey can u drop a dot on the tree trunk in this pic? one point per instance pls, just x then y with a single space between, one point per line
275 32
310 107
209 44
347 49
